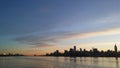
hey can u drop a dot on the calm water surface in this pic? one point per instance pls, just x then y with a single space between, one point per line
58 62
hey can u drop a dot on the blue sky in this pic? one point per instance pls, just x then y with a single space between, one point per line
45 25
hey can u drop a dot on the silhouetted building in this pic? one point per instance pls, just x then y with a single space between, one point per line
80 49
95 50
10 54
71 50
84 50
56 53
115 48
74 49
66 53
87 53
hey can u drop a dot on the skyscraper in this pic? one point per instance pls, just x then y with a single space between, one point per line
115 48
74 48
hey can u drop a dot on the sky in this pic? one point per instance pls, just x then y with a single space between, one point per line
43 26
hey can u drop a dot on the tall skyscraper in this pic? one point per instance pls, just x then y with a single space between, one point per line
74 48
115 48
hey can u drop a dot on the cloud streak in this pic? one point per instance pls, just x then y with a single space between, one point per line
93 34
54 40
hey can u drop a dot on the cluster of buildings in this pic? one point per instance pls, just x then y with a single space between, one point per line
84 53
10 54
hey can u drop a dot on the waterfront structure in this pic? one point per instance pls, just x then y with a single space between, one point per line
84 53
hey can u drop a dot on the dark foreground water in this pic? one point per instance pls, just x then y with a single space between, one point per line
58 62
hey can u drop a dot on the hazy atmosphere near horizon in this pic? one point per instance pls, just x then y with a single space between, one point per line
42 26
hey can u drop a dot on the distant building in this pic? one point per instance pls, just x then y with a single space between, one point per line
71 50
115 48
80 49
56 53
65 51
74 48
95 50
84 50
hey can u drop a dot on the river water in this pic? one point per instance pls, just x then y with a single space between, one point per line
59 62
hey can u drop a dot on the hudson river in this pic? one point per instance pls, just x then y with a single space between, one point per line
59 62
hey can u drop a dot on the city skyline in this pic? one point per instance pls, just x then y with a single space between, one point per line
41 26
74 49
94 52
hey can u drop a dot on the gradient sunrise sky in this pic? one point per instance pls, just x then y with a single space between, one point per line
42 26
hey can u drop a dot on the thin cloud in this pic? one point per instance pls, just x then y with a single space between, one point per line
112 18
112 31
54 40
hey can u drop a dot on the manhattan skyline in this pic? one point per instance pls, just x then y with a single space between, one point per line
41 26
94 52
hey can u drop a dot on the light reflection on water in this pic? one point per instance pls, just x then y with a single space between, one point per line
59 62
